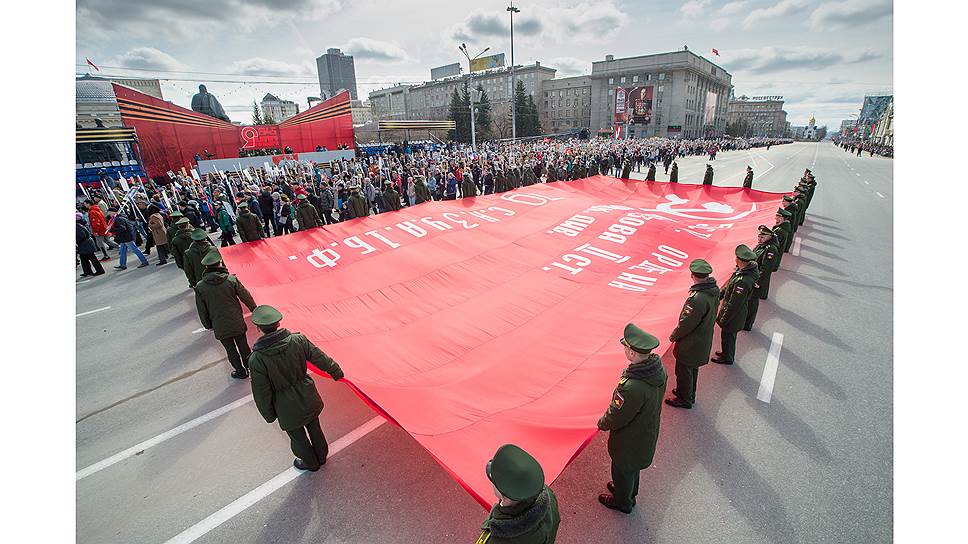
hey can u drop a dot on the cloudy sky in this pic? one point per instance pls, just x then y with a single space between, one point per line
823 56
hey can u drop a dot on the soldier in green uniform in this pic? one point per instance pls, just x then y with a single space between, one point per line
391 198
783 230
173 227
357 203
283 390
552 173
707 179
468 189
674 173
693 336
194 255
306 215
420 190
735 299
800 197
790 205
748 180
180 240
650 175
580 170
527 510
766 262
632 418
217 297
250 226
626 169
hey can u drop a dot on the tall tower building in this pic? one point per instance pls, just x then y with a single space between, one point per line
336 72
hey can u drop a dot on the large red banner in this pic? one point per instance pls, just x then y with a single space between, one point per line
496 319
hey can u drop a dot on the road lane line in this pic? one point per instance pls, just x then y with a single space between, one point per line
121 456
866 182
858 174
196 331
203 527
83 281
769 370
795 250
93 311
880 195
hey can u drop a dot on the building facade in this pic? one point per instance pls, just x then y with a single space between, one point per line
884 129
94 98
336 72
390 103
764 114
277 109
689 94
362 114
566 104
870 112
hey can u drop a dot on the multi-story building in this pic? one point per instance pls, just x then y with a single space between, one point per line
847 128
94 98
688 94
884 129
764 114
278 109
566 103
390 103
336 72
362 114
870 112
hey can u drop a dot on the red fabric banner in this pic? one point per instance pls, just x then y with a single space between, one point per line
484 321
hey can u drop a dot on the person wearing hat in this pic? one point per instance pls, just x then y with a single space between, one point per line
250 227
766 262
226 222
707 179
783 231
790 204
391 198
217 298
632 418
527 510
650 175
357 203
674 173
422 193
748 180
306 215
181 240
735 297
86 248
693 335
800 197
192 260
172 227
283 390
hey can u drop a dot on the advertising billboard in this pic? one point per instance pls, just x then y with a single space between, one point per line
486 63
709 114
640 105
620 103
445 71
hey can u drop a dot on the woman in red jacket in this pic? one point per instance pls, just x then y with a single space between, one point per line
99 228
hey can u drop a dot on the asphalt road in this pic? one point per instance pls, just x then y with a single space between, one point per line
814 464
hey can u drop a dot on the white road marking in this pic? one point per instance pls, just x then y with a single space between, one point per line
121 456
93 311
795 250
83 281
203 527
196 331
880 195
858 174
769 370
866 182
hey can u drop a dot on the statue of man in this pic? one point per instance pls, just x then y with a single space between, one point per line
205 102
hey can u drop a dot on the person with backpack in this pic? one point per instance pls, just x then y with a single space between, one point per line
226 223
124 233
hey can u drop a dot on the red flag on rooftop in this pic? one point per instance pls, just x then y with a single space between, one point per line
93 65
715 51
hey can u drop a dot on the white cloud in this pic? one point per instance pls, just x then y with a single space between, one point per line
569 66
148 58
777 59
835 15
780 9
547 24
375 50
732 8
258 66
694 8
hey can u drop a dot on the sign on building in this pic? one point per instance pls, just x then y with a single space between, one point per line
448 70
709 114
620 105
486 63
640 102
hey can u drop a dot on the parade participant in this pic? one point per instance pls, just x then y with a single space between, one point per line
766 253
391 198
267 207
327 202
693 335
467 187
357 204
707 178
783 231
306 216
192 261
748 180
422 192
181 240
735 300
626 169
250 227
674 175
123 232
99 228
650 175
790 205
172 229
156 226
632 418
286 215
226 223
527 510
283 390
217 298
86 248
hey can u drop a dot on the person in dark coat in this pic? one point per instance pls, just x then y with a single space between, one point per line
217 298
358 205
391 198
632 418
674 174
283 390
693 336
767 255
650 175
422 192
327 203
707 179
306 216
124 235
192 261
748 180
250 228
735 301
266 206
181 240
86 249
527 509
626 169
467 187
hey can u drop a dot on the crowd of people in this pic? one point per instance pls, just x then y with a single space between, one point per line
858 147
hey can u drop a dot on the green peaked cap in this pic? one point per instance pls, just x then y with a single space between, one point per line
515 473
265 315
638 340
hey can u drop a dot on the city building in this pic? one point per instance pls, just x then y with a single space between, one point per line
689 94
336 72
847 128
566 103
870 112
94 98
277 109
390 103
810 131
362 114
884 128
764 114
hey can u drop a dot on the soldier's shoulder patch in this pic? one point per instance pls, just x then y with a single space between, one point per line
739 288
618 400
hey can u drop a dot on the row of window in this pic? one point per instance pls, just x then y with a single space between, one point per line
566 92
635 79
567 102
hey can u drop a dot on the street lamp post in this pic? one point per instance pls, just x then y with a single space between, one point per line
514 128
472 94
